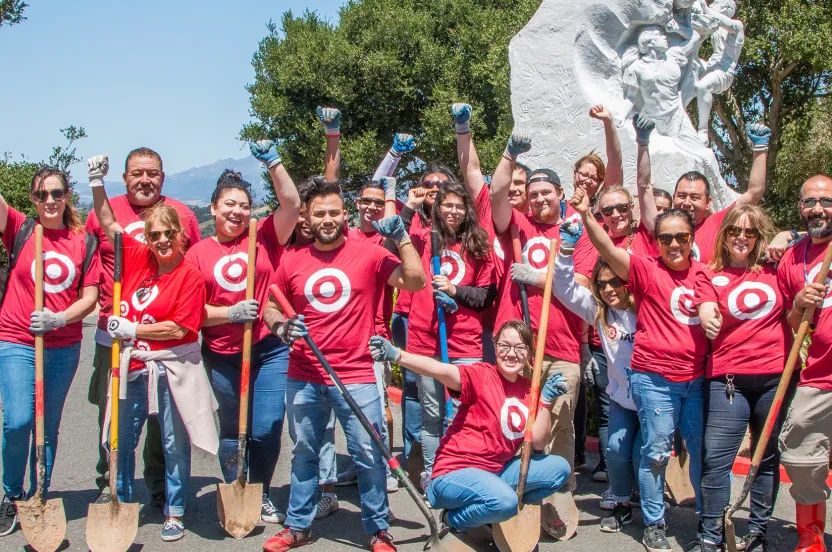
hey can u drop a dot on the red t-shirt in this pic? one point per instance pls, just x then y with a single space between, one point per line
563 337
464 327
178 296
404 299
799 266
130 219
385 308
669 340
703 243
63 260
498 259
755 337
489 425
337 292
223 267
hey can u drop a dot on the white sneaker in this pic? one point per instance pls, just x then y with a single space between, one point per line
607 502
392 484
268 513
327 505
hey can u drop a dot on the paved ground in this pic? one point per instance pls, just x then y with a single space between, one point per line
74 476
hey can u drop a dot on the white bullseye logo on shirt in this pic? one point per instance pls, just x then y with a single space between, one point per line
142 346
327 290
536 253
58 272
124 309
136 231
513 417
230 272
452 266
813 274
612 332
498 249
751 300
683 307
694 251
142 303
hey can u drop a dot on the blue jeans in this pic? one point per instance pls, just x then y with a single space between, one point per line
411 409
474 497
623 451
664 405
17 387
308 407
175 441
269 362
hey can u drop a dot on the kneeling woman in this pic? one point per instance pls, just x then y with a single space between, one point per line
476 470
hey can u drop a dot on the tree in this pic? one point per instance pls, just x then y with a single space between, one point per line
64 156
11 12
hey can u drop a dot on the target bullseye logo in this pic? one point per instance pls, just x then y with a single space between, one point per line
513 417
813 274
141 303
230 272
694 252
612 332
683 307
536 253
327 290
136 231
452 266
751 300
498 250
58 272
124 309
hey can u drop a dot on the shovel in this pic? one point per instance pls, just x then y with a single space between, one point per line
43 521
436 263
112 527
677 474
518 258
450 543
803 330
239 503
522 532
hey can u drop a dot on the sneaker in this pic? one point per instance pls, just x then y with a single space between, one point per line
607 501
622 515
173 530
327 505
391 517
600 476
635 498
424 481
702 546
104 497
382 542
445 525
8 515
286 539
269 513
753 542
580 462
654 539
347 477
392 484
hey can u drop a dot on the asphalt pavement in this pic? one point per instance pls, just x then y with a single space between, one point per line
74 475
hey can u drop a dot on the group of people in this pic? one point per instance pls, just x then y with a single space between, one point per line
679 319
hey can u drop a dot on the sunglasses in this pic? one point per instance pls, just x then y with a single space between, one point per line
747 233
622 208
810 202
41 195
367 201
612 282
682 238
156 234
435 183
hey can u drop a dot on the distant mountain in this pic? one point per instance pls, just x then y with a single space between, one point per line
194 186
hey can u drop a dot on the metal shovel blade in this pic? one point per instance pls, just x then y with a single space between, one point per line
238 507
677 477
560 516
112 527
43 522
520 533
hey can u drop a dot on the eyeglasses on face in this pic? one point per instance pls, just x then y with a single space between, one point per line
810 202
747 233
452 207
155 235
682 238
41 195
505 348
586 176
612 282
622 208
367 201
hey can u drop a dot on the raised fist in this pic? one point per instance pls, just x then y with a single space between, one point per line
98 166
265 151
330 117
759 136
462 117
517 145
402 143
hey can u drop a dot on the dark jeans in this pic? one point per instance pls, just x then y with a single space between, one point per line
153 454
267 405
602 410
725 425
411 409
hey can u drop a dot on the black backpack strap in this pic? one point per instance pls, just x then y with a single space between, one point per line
23 235
91 244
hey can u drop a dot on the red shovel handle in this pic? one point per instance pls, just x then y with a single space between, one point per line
284 303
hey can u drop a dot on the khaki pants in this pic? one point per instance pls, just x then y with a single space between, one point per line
804 444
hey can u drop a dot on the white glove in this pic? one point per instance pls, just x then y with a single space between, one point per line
244 311
121 328
46 320
98 166
589 364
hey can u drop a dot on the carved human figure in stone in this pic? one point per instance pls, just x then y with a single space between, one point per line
720 68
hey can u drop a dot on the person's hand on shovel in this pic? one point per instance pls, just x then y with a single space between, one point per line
244 311
46 320
554 387
292 329
525 274
121 328
445 300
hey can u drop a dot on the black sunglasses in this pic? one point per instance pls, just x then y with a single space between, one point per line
156 234
435 183
613 282
810 202
622 208
682 238
747 233
367 201
41 195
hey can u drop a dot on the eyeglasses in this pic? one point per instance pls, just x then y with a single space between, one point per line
57 194
585 176
682 238
622 208
367 201
145 287
452 207
810 202
747 233
156 234
151 173
612 282
505 348
435 183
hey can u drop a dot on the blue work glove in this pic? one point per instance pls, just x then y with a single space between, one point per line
517 144
402 143
759 135
462 117
393 228
265 151
554 387
384 351
292 329
570 233
644 127
330 117
389 184
445 301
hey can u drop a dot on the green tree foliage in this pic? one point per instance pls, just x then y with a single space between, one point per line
15 177
11 12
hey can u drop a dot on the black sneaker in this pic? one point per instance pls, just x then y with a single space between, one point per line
8 515
654 539
445 525
104 497
701 546
622 515
753 542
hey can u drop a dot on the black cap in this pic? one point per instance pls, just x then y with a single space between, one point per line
543 175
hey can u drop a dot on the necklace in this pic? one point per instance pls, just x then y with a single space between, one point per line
234 243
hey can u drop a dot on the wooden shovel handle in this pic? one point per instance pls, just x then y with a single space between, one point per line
245 375
39 406
518 258
115 366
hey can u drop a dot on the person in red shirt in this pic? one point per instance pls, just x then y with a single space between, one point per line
336 284
159 322
70 291
743 313
807 431
475 476
222 259
669 357
143 179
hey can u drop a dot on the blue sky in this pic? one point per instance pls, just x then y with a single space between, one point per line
169 75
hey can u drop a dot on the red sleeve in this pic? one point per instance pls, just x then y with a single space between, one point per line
136 254
281 280
94 273
485 275
14 220
584 256
189 310
784 280
467 392
704 291
194 235
641 269
387 263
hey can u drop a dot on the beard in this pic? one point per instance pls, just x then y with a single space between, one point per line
818 226
328 239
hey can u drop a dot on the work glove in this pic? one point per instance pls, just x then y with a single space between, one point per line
393 228
570 233
588 364
46 320
265 151
462 117
524 274
445 301
330 117
121 328
402 143
517 145
243 311
759 136
383 351
292 329
644 127
389 184
554 387
98 166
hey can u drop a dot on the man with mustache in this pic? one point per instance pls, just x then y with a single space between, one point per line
807 431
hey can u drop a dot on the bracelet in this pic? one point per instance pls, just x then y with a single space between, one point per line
405 241
509 158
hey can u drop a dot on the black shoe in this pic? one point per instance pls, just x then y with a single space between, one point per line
654 539
753 542
622 515
580 462
444 525
103 498
701 546
8 515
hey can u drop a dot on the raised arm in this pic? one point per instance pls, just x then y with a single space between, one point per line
759 136
288 199
4 214
618 259
402 143
501 181
646 199
98 166
615 162
330 117
469 161
384 351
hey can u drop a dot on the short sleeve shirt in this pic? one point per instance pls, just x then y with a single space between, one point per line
705 238
385 311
